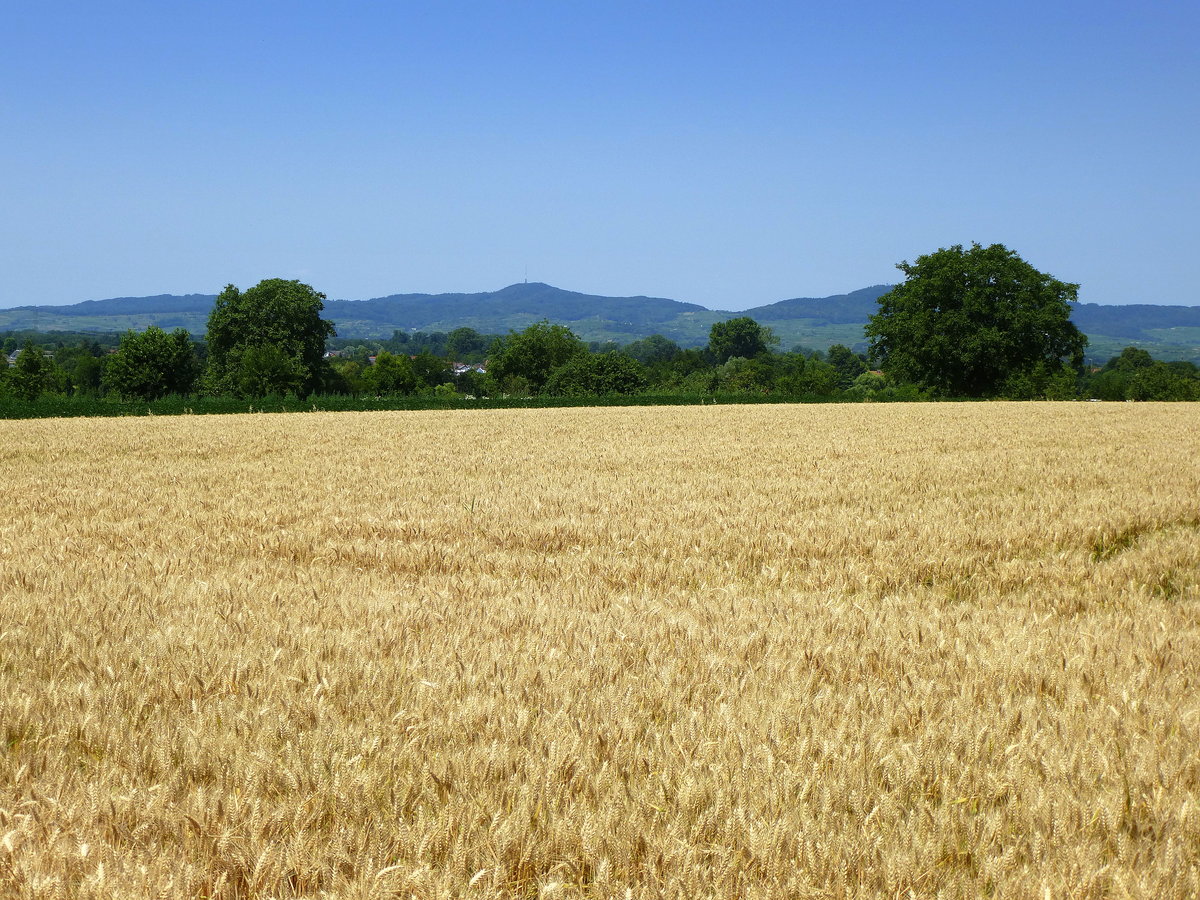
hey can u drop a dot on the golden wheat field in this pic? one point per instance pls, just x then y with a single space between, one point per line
761 651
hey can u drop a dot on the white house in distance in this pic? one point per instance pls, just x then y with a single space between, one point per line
12 357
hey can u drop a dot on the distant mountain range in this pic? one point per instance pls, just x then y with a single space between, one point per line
1169 332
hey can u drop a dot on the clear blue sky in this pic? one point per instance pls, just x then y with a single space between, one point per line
728 154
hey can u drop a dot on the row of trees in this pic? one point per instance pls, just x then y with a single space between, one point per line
977 322
550 360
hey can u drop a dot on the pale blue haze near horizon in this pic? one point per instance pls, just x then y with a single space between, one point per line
724 154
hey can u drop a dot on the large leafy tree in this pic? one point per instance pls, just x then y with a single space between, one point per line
532 354
848 364
268 339
466 345
391 374
597 374
652 350
83 365
153 364
739 337
966 322
33 373
431 370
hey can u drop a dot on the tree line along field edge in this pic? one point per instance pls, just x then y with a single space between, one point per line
979 323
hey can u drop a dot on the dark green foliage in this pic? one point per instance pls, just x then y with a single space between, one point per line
343 376
84 365
412 343
455 346
692 360
69 363
1136 375
269 339
1131 358
740 375
391 374
1184 367
808 378
1160 382
965 322
59 405
359 353
96 344
32 374
1042 381
263 370
152 364
739 337
467 345
652 350
532 354
597 375
849 364
877 388
431 370
657 355
476 384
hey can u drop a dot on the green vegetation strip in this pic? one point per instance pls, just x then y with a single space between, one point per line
57 406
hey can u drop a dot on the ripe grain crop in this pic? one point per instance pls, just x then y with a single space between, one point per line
782 651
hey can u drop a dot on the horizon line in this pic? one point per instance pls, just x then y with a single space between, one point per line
32 306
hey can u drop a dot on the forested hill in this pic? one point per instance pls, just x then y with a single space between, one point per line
840 309
161 304
516 306
816 322
1139 322
116 314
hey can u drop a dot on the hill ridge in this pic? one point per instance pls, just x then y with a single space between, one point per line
815 322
